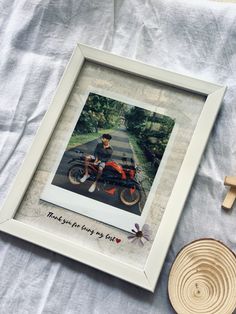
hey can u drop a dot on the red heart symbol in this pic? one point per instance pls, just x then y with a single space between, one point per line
118 240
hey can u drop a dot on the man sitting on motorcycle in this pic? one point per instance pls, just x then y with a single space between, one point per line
102 154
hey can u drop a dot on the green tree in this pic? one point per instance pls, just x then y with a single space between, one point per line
152 131
99 112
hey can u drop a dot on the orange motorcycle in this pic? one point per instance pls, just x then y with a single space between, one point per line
116 178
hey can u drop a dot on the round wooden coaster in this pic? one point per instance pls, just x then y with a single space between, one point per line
202 279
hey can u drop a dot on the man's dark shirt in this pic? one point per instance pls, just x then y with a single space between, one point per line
103 154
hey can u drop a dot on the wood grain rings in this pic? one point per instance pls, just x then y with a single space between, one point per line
202 279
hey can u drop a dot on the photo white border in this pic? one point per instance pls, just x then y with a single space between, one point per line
148 276
90 207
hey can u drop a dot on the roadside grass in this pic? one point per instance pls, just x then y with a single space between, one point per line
147 169
79 139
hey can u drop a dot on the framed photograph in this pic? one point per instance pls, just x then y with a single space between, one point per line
112 163
118 187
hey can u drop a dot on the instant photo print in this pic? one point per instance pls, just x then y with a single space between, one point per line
116 188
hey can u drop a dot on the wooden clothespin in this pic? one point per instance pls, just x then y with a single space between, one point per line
231 195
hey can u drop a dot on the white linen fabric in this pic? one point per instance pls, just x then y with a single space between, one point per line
36 40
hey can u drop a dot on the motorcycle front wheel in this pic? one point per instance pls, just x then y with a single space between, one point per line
130 196
75 173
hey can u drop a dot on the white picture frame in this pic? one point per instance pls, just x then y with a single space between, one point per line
146 277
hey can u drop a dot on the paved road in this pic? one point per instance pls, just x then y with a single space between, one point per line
121 149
